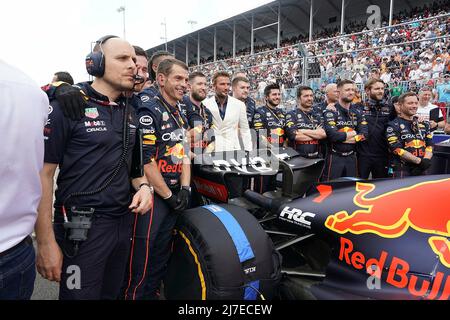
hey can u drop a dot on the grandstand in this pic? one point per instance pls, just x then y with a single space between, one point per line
331 38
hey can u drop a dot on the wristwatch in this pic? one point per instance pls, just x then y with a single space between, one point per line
146 184
188 188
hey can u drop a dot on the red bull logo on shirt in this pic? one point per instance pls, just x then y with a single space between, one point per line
176 151
416 144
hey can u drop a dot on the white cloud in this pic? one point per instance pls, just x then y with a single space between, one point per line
42 37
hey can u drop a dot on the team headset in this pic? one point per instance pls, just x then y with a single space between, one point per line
76 230
95 61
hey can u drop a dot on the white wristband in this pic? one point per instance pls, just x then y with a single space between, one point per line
168 196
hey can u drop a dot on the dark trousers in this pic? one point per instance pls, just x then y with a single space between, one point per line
378 166
18 271
150 252
339 166
101 259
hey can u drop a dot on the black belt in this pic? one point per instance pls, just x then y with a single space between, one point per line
26 240
343 154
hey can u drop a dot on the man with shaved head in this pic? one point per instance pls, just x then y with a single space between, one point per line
331 97
86 248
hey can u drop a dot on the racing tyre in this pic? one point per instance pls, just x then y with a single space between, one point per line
221 252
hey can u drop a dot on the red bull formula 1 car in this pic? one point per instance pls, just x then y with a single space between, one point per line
344 239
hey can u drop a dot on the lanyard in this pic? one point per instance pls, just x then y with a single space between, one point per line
179 122
351 115
415 128
201 108
203 114
309 118
273 113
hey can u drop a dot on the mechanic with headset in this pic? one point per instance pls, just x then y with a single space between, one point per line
87 246
167 167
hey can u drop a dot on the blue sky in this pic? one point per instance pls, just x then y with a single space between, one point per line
42 37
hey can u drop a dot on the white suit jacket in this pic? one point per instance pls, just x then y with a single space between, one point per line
235 123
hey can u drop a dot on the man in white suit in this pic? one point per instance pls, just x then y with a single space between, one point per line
229 117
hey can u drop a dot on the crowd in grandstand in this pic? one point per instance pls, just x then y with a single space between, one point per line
416 13
367 53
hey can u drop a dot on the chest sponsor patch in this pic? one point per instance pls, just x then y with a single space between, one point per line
91 113
145 120
145 98
99 123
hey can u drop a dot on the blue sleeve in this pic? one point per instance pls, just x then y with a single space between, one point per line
191 113
331 129
250 109
363 127
291 126
148 124
57 133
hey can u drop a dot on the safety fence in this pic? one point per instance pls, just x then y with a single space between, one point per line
329 60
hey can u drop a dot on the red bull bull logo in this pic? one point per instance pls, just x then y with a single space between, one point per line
278 131
415 144
391 214
176 151
346 129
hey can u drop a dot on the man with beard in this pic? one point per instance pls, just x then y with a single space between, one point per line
168 171
269 122
198 116
229 117
373 153
304 126
345 128
72 100
410 141
93 186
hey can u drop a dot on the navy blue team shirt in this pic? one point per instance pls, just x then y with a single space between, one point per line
87 152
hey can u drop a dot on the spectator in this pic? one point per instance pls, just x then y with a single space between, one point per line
443 90
22 160
425 110
63 76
